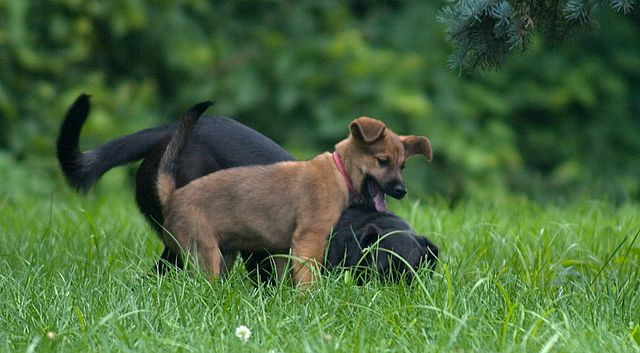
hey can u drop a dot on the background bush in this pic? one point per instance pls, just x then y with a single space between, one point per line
555 119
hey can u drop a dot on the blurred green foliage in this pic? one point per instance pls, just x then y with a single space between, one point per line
554 119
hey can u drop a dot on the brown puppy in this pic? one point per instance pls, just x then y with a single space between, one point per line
288 205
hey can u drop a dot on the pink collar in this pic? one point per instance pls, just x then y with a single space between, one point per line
347 180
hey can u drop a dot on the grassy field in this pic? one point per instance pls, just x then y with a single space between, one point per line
515 276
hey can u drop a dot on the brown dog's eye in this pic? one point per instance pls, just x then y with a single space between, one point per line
402 166
383 162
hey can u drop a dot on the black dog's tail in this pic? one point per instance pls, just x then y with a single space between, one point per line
74 164
166 183
83 169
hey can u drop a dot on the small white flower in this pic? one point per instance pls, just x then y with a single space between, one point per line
51 335
243 333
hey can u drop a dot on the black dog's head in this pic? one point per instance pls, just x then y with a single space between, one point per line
380 243
396 254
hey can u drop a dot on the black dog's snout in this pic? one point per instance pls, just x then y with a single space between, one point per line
432 253
397 190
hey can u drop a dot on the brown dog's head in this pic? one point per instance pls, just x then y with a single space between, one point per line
374 157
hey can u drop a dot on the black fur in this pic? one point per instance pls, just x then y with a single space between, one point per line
365 240
168 161
83 169
215 143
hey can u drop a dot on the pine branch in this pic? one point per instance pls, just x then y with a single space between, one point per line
624 6
580 11
485 32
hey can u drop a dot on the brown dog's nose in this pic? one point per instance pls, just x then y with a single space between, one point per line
398 191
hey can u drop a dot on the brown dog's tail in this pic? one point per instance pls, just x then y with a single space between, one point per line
166 183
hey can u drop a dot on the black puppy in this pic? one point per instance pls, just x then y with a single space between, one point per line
384 242
215 143
368 243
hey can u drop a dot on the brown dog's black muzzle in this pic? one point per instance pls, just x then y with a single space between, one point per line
395 189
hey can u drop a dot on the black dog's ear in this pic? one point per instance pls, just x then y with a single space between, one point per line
369 234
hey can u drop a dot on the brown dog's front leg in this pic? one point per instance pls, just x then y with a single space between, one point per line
308 250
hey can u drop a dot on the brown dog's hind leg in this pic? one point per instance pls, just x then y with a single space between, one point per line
198 238
210 256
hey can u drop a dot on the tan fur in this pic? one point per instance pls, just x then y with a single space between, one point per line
288 205
165 185
388 145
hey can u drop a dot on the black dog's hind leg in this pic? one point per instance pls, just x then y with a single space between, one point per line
168 261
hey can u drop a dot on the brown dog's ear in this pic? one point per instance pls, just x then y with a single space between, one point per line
416 144
367 130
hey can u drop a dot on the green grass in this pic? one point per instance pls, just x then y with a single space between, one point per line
515 276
